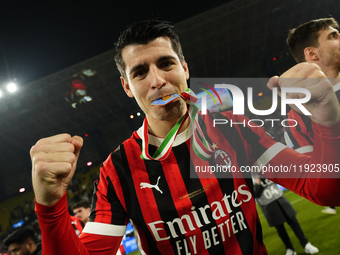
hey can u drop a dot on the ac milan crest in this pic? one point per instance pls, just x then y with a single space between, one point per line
222 158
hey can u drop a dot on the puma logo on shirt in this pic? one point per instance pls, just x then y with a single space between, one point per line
151 186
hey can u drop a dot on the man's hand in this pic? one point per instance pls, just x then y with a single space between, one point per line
54 161
323 105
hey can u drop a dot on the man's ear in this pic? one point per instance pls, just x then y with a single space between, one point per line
186 70
311 54
126 87
30 245
89 210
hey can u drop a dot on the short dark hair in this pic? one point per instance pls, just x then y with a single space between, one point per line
20 236
307 35
82 203
143 32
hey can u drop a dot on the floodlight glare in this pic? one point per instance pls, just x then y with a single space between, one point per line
0 93
11 87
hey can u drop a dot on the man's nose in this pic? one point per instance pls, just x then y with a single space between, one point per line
157 79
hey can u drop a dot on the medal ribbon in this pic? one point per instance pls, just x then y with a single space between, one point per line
201 146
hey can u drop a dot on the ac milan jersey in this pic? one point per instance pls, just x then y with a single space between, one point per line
176 210
77 224
300 137
176 214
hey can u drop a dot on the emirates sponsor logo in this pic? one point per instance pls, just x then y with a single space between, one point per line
231 222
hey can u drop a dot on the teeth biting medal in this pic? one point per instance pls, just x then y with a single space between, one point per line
165 100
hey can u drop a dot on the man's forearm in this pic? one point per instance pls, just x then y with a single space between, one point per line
316 177
57 234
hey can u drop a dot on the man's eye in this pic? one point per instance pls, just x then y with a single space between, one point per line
167 64
334 36
139 73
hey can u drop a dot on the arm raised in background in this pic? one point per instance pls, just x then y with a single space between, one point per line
319 179
323 105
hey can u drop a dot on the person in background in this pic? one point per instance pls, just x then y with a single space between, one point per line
316 42
77 223
277 210
82 210
22 241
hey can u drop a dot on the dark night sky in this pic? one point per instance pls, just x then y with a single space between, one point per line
38 38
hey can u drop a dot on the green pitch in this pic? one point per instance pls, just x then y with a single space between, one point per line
322 230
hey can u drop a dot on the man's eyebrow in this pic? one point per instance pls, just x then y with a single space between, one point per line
137 67
160 59
168 57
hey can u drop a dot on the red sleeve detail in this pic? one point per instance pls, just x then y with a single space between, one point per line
318 186
114 178
58 235
252 128
101 245
109 210
301 135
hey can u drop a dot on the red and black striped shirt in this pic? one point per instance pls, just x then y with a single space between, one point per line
179 210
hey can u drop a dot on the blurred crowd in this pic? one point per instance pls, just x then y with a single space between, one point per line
17 214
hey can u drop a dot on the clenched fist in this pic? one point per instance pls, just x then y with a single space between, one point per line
54 161
323 104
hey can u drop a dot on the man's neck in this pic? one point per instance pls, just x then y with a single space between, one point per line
332 73
329 71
